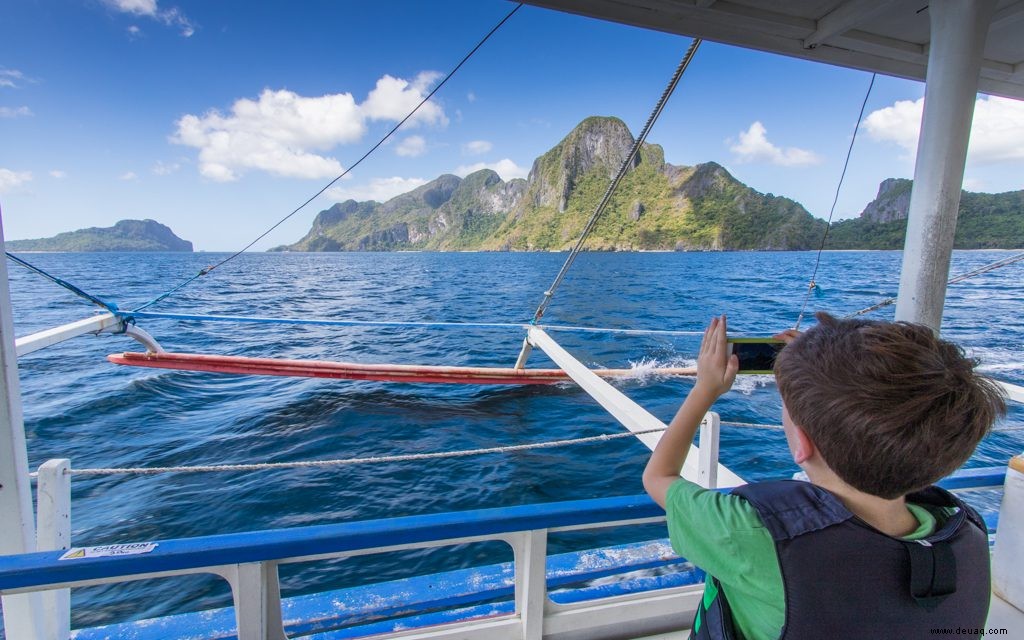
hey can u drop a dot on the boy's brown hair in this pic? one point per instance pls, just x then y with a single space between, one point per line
891 407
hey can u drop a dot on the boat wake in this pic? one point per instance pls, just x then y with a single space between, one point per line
649 370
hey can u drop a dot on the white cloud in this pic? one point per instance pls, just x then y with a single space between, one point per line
172 17
137 7
128 176
477 147
14 112
394 98
379 189
276 134
504 168
411 147
10 180
57 173
997 134
899 123
163 168
754 146
177 19
974 184
471 96
134 31
285 134
11 78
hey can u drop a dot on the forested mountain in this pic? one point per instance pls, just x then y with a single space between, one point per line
657 206
985 220
126 235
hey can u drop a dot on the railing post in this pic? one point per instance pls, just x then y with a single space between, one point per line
531 554
710 429
53 532
256 593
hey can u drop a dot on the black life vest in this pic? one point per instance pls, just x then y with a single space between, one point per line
844 579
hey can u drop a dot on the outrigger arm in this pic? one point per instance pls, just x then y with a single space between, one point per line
102 323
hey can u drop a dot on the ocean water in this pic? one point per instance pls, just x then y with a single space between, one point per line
79 406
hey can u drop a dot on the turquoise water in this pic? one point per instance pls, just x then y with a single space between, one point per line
79 406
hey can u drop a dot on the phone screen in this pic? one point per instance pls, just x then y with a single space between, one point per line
756 355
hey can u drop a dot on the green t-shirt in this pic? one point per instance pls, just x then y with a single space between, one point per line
723 535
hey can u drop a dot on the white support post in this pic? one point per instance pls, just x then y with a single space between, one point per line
710 431
958 33
530 555
256 593
22 613
53 505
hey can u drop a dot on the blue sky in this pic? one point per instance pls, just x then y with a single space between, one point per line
218 117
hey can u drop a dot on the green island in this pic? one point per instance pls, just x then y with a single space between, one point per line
126 235
657 206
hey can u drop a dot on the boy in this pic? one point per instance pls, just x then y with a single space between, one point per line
872 411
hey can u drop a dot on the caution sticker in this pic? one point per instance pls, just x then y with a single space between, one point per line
105 551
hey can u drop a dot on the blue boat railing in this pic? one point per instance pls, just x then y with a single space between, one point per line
249 561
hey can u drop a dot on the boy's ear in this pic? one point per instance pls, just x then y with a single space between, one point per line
804 448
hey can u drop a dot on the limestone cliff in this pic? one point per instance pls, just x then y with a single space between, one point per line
657 206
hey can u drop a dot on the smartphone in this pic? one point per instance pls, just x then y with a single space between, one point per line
757 355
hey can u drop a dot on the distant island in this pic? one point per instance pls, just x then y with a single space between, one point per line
658 206
126 235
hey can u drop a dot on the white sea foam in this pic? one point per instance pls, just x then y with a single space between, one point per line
748 383
646 369
1003 366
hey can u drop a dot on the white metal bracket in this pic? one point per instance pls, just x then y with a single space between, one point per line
139 335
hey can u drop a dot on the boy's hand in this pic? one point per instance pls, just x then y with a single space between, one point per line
716 371
716 368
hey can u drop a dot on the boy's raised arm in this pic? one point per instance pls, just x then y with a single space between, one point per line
716 371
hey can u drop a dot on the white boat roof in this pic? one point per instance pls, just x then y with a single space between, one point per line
890 37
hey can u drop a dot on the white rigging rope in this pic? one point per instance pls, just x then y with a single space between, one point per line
410 457
626 164
350 461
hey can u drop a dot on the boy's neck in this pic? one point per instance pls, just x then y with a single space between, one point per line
891 517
